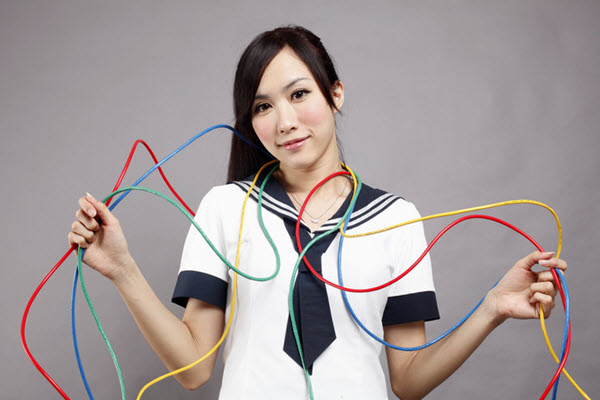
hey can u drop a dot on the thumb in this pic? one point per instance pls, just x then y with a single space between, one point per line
530 260
103 212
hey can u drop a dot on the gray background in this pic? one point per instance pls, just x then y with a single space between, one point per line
450 104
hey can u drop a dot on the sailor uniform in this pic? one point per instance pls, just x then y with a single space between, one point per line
261 359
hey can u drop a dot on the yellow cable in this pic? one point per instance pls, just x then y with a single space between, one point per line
354 181
547 339
549 345
466 210
504 203
233 297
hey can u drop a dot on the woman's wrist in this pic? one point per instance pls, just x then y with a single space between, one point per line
490 310
124 271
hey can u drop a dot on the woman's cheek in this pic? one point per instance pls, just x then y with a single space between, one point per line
315 113
262 128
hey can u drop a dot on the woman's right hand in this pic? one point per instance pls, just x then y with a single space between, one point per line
103 240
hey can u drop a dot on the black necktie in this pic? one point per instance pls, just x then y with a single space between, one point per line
311 305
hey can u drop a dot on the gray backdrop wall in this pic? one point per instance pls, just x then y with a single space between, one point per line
449 104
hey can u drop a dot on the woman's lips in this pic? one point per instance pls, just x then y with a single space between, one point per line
294 144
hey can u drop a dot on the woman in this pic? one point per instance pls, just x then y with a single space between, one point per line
286 95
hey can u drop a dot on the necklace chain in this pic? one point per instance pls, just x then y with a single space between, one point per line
316 220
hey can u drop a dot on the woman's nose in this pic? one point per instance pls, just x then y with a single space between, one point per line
288 120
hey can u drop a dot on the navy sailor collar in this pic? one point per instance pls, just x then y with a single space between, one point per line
311 304
370 202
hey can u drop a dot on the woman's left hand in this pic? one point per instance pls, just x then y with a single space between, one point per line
521 290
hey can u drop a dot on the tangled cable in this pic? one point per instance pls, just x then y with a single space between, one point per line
341 226
557 274
156 166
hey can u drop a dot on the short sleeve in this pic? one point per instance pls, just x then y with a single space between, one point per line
413 297
202 274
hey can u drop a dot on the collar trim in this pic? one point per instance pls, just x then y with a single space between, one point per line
370 203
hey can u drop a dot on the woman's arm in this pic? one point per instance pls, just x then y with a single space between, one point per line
176 342
517 295
414 374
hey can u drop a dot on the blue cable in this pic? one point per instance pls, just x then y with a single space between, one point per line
168 157
154 168
354 316
74 331
183 146
345 297
566 327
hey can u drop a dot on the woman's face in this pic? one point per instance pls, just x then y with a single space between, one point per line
292 118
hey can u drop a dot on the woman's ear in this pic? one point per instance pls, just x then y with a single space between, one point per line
337 92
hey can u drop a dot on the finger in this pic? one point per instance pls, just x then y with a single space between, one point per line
543 287
87 207
103 212
553 263
87 221
78 228
545 276
533 258
77 240
545 300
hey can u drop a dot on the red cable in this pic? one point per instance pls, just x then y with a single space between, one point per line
64 257
118 184
427 249
319 276
567 345
125 168
38 366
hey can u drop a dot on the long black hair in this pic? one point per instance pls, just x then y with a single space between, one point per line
245 160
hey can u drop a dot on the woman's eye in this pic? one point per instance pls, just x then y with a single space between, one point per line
261 107
298 94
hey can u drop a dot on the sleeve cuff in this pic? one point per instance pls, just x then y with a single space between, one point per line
201 286
412 307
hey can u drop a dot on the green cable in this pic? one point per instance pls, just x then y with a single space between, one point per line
87 298
191 218
260 217
214 249
229 265
290 304
295 273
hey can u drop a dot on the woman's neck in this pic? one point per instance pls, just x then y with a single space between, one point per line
302 181
326 200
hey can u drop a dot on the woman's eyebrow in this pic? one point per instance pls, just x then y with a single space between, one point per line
260 96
